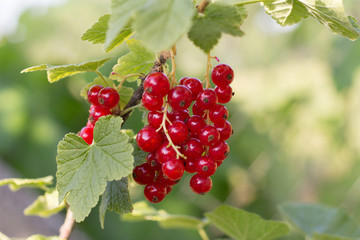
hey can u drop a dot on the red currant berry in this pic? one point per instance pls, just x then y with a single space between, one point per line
197 110
148 139
143 174
181 115
89 124
162 179
157 85
151 159
207 99
206 166
194 85
181 81
190 165
192 148
173 169
209 135
178 132
219 114
200 184
108 97
195 124
219 151
180 97
155 192
224 93
225 130
92 94
152 103
155 119
87 134
165 152
98 112
222 74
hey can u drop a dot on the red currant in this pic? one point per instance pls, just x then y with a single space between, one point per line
180 97
219 151
98 112
151 159
155 119
148 139
157 85
200 184
192 148
165 152
87 134
181 81
89 124
92 94
173 168
194 85
152 103
155 192
178 132
219 114
190 165
143 174
206 166
207 99
224 93
181 115
108 97
209 135
197 110
225 130
195 124
222 74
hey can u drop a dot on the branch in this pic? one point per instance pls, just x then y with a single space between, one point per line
201 7
66 229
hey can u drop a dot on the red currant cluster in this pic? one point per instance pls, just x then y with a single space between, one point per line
102 100
178 142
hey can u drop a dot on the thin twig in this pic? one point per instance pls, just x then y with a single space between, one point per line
66 229
201 7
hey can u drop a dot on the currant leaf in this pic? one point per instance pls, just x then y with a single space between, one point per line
239 224
18 183
139 155
317 236
83 169
125 94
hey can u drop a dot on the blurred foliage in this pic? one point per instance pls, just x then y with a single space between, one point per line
295 113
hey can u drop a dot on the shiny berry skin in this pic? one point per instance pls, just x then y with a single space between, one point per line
200 184
157 85
89 124
151 159
225 130
180 97
178 132
218 114
181 115
143 174
219 151
155 119
173 169
165 152
197 110
108 97
209 135
162 179
148 139
192 148
222 75
205 166
207 99
87 134
98 112
190 165
195 124
224 93
194 85
92 94
155 192
181 81
152 103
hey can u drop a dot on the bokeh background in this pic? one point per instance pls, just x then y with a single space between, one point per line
295 114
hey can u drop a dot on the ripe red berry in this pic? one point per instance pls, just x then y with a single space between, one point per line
155 119
219 151
181 115
197 110
206 166
207 99
152 103
219 114
209 135
181 81
89 124
195 124
143 174
192 148
92 94
108 97
165 152
225 130
222 74
194 85
200 184
98 112
173 168
151 159
87 134
148 139
157 85
224 93
155 192
178 132
180 97
190 165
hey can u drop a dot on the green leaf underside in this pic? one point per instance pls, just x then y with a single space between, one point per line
45 205
139 155
161 23
139 60
116 198
328 12
218 18
83 169
142 211
320 219
55 73
242 225
125 94
97 81
97 33
17 183
41 237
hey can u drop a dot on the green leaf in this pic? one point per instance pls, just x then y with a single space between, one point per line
330 13
142 211
99 81
239 224
55 73
161 23
139 60
17 183
139 155
218 18
125 94
97 33
330 237
41 237
122 13
4 237
46 205
83 169
316 218
116 198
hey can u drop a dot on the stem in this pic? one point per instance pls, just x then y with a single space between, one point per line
208 66
173 64
203 234
130 109
201 7
253 1
66 228
102 77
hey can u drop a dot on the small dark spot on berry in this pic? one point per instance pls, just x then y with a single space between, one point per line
155 199
176 181
202 193
205 168
229 77
186 147
210 138
232 131
233 93
226 153
101 100
206 100
182 103
225 116
149 89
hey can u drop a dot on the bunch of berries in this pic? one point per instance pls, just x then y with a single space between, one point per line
178 142
102 100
